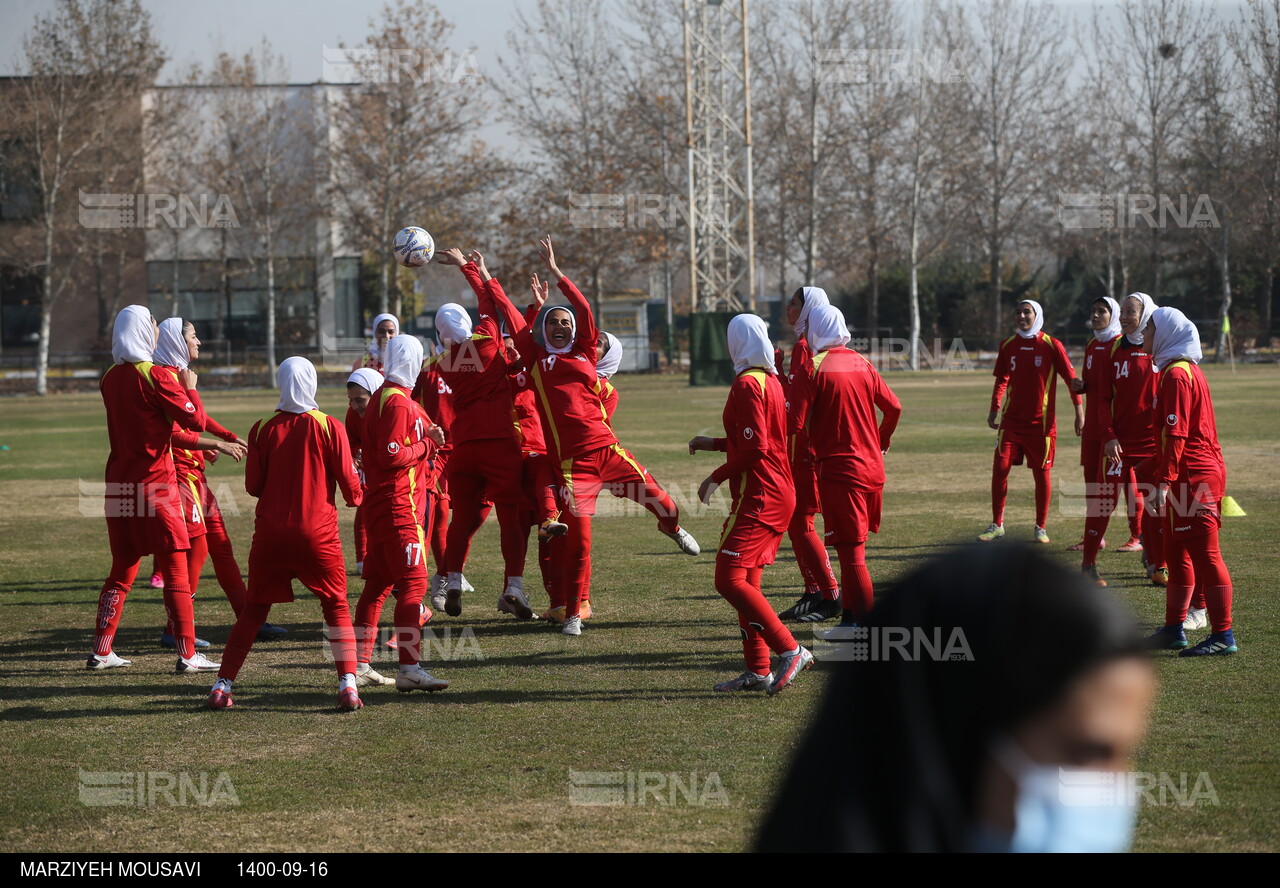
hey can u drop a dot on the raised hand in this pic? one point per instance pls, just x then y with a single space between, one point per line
452 257
548 253
541 289
476 257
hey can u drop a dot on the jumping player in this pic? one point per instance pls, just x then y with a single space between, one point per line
385 328
763 498
1192 478
836 402
1026 381
297 457
143 509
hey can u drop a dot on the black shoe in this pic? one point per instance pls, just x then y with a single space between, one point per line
807 601
270 632
824 610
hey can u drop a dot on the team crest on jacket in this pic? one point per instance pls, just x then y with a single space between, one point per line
748 434
190 408
393 448
1172 419
1039 358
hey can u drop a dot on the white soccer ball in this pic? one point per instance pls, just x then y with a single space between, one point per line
414 247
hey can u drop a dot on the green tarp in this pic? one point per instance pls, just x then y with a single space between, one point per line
709 362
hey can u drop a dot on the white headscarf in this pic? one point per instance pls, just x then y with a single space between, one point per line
367 378
612 360
573 330
374 352
1148 306
1175 337
827 329
1037 325
453 324
1112 330
749 344
297 379
404 360
814 297
171 349
133 339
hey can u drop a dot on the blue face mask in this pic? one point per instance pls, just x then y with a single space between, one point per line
1063 809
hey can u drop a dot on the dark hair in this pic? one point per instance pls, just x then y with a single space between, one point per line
894 756
1101 300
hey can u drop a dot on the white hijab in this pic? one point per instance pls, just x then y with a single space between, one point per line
367 378
1148 306
1112 330
133 339
612 360
453 324
1037 325
827 329
404 360
1175 337
814 297
171 349
573 330
749 344
297 379
374 352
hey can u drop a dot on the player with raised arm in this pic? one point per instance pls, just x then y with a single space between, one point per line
1027 370
836 402
763 499
142 505
298 458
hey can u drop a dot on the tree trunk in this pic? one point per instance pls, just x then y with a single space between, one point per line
271 313
46 308
1224 310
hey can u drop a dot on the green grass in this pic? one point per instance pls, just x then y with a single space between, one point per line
485 765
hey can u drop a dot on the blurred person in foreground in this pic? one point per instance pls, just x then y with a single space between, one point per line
978 748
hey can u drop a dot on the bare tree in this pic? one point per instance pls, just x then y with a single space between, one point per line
86 65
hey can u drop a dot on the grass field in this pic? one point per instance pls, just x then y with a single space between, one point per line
486 765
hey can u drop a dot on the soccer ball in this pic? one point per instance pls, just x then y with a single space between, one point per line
414 247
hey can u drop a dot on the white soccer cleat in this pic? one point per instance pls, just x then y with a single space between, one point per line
688 545
359 568
789 666
994 532
747 681
513 601
572 626
197 663
438 584
110 661
366 675
418 679
467 587
1197 618
1042 535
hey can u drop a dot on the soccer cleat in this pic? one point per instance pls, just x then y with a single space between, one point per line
1197 618
359 568
424 614
219 699
584 609
197 663
1042 535
467 587
843 632
572 626
789 666
1077 547
688 545
1160 576
157 581
1091 574
438 584
269 632
1167 638
1217 644
349 700
551 529
1134 545
453 601
110 661
824 610
419 679
801 607
994 532
168 641
555 615
366 676
514 602
747 681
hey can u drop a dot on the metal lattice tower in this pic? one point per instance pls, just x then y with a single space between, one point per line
717 66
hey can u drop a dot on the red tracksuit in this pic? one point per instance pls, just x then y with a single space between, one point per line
1127 388
295 462
354 424
584 452
1190 462
763 500
398 473
837 404
435 397
1026 371
811 554
143 506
